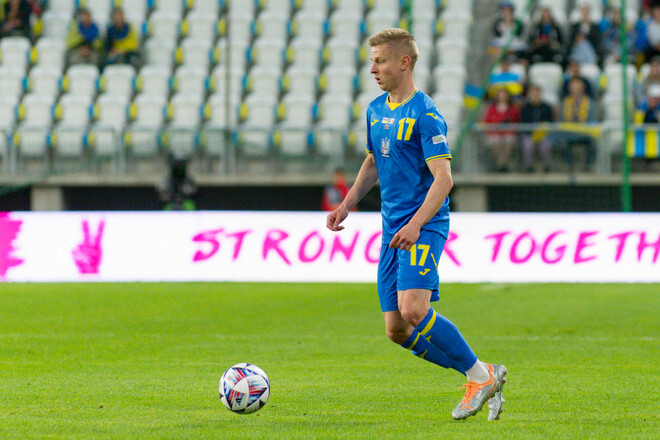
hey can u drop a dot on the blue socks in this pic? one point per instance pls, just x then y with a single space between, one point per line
427 351
443 344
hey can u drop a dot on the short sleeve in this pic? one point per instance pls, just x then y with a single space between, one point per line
433 136
369 146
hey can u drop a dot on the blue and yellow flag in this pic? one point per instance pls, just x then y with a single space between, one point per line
644 144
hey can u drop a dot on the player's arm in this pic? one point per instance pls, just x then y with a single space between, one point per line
435 197
365 180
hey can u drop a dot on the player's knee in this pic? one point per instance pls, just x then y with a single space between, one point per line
414 314
397 335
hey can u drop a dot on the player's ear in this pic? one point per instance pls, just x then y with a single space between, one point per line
405 62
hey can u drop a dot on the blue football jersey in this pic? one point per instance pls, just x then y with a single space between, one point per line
403 138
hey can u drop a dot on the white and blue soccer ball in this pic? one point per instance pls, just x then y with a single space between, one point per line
244 388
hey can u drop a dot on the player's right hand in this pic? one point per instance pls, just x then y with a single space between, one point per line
335 218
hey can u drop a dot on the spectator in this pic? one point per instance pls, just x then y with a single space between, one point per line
582 51
121 43
653 78
535 111
586 35
609 29
178 191
577 109
505 78
651 38
649 111
545 40
507 28
573 71
501 143
16 21
84 40
335 193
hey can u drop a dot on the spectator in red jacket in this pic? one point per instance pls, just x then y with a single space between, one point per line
335 193
501 142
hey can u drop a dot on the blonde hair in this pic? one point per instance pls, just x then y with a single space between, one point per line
400 40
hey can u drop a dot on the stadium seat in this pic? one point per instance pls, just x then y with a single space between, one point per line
297 112
68 137
424 29
254 133
347 25
15 52
200 26
144 132
195 52
463 6
264 81
7 125
238 56
36 114
300 81
362 101
56 24
267 53
160 53
241 24
358 138
304 53
184 114
352 6
422 75
209 7
66 7
308 25
100 10
339 81
549 77
11 83
340 51
614 79
190 81
367 83
51 53
118 80
44 81
315 5
449 79
379 19
457 25
175 7
452 50
558 9
593 73
427 8
215 111
135 10
81 80
278 5
154 80
218 81
273 24
110 113
450 107
163 26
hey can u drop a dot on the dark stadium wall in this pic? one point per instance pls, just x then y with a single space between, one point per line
534 198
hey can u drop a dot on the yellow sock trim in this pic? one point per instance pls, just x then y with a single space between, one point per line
429 325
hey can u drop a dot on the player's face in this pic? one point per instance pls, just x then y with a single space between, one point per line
385 68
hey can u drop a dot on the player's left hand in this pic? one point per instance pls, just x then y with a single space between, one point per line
405 237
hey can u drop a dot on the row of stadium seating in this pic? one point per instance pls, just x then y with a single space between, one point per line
297 76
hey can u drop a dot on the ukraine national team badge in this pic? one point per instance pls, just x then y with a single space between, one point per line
385 147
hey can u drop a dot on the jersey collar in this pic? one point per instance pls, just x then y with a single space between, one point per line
395 105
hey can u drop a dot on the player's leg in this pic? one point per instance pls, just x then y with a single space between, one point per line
401 332
398 330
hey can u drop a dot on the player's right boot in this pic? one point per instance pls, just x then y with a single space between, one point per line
476 394
496 403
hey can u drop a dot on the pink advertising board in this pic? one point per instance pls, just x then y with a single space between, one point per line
296 246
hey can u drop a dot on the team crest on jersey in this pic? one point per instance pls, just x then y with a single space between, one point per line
385 147
387 123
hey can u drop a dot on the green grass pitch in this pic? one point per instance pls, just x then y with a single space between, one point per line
143 361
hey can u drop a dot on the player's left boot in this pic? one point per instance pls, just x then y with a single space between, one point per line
476 395
496 403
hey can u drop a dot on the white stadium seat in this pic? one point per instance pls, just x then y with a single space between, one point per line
81 80
73 117
191 81
154 80
15 52
11 83
44 81
118 80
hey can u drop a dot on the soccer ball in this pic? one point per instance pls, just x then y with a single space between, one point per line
244 388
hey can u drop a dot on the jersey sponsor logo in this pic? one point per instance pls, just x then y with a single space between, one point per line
439 139
385 147
375 121
387 123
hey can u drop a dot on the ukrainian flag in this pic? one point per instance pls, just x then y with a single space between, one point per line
644 143
472 96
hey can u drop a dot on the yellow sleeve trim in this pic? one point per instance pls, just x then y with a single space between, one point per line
440 156
368 151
